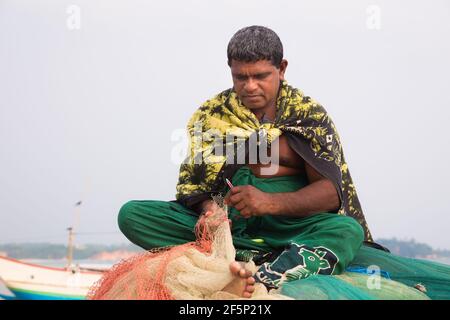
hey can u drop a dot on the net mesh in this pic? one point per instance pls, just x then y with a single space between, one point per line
350 286
430 277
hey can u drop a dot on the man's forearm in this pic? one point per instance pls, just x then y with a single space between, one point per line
320 196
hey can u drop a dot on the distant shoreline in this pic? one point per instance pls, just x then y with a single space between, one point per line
108 254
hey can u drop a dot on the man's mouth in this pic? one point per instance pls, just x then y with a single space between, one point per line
252 96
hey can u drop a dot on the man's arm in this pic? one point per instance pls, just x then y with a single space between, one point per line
319 196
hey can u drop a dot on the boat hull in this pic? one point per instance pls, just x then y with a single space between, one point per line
35 282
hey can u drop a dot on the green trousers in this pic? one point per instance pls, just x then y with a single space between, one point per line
294 248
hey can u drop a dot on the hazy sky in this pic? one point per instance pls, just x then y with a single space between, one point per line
88 113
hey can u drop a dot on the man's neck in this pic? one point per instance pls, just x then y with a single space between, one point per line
266 112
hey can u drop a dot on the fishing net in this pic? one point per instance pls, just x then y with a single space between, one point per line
430 277
350 286
196 270
377 275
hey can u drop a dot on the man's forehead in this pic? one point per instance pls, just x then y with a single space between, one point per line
251 68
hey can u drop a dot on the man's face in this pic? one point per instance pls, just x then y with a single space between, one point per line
257 83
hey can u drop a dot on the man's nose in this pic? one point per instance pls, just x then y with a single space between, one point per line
250 86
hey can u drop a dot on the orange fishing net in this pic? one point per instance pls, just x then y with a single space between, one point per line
196 270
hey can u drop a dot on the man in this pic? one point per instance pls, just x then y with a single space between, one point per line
296 215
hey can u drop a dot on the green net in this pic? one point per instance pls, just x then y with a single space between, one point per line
350 286
431 277
376 275
320 287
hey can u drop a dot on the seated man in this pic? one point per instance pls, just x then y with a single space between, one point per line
296 215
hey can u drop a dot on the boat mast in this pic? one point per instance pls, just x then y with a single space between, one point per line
71 234
70 248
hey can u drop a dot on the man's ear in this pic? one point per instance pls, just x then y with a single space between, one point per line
283 66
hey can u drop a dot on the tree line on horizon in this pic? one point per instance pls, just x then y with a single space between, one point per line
406 248
59 251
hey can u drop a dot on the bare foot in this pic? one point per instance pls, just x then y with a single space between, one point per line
243 284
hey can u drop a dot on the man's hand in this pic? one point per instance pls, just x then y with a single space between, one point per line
249 201
208 206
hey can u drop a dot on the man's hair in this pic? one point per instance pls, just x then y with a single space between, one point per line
254 43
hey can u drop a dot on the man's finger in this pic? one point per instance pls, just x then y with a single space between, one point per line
236 198
240 206
235 190
226 199
246 213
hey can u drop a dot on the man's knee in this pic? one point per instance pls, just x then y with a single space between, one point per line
123 219
351 228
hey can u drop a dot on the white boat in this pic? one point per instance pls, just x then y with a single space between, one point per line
30 281
36 282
